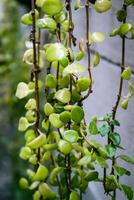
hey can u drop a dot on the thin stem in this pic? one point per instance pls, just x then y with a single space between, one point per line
66 177
58 181
70 36
36 71
88 48
115 108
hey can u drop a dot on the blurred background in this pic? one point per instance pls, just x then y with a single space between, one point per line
12 70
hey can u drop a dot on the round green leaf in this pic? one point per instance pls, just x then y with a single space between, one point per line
55 52
23 182
63 95
22 90
52 7
65 147
121 15
55 120
83 83
31 104
102 5
50 81
77 114
23 124
65 117
48 109
71 136
25 153
74 68
98 37
46 22
125 28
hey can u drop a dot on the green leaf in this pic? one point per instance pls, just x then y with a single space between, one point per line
65 117
55 52
55 120
102 5
115 122
22 90
111 183
111 150
48 109
46 191
91 176
74 68
65 147
121 15
23 183
52 7
124 103
93 127
25 153
41 174
63 95
85 160
47 22
126 74
96 59
83 83
31 104
23 124
128 192
104 129
98 37
114 32
121 171
77 4
37 142
71 136
125 28
115 138
74 196
77 114
102 162
129 2
127 159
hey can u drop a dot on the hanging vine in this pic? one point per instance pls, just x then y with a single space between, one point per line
57 138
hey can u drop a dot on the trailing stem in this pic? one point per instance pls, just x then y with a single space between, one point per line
36 70
88 48
115 108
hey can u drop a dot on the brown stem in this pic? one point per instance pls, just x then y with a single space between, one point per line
70 88
36 71
115 108
58 181
88 49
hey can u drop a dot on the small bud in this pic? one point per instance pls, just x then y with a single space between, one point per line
126 74
124 104
23 182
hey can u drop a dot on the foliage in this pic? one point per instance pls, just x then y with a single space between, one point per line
56 142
